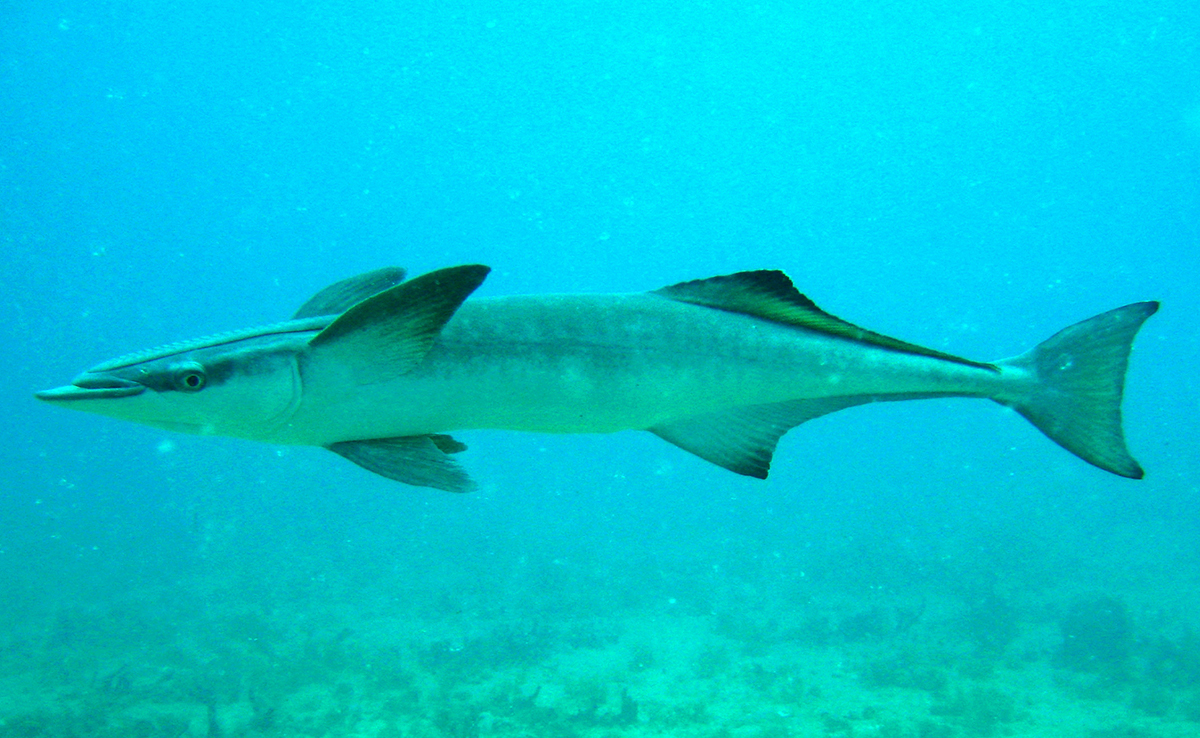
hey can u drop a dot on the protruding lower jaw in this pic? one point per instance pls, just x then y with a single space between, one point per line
92 388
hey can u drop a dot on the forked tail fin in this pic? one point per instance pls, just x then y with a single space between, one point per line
1080 377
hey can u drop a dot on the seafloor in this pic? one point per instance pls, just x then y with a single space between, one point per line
743 656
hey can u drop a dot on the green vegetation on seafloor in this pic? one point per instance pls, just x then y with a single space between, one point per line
983 667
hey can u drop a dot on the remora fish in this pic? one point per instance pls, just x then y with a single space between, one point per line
378 370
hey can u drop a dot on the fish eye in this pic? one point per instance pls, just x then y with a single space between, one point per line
189 377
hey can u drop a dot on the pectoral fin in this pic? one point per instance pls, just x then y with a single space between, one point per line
417 460
386 335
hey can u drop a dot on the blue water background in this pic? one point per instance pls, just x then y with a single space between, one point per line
968 176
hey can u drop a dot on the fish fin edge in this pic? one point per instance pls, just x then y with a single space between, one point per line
339 297
396 327
743 439
770 294
1081 383
421 461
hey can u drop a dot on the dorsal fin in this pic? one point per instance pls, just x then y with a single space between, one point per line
339 297
770 295
388 334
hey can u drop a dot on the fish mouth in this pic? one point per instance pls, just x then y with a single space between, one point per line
92 388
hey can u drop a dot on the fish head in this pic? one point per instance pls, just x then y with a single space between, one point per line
240 384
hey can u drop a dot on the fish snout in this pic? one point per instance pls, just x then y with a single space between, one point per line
92 387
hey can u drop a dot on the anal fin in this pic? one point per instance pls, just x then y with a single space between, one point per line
743 440
421 461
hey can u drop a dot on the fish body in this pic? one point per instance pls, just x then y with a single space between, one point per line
381 370
604 363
